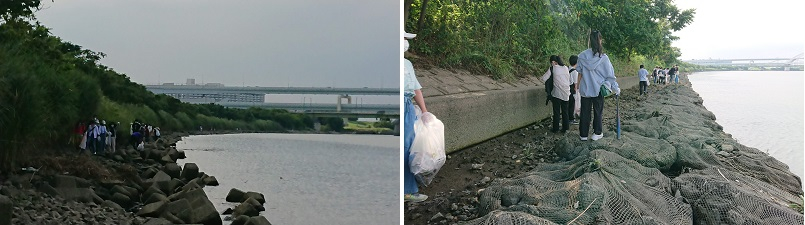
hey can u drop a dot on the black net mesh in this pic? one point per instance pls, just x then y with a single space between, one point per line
672 165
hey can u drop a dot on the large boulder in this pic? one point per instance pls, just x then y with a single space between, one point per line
149 173
210 181
240 220
152 210
256 196
181 209
258 220
156 197
245 209
121 199
6 209
190 171
173 170
203 211
235 195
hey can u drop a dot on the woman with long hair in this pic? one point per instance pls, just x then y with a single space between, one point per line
595 72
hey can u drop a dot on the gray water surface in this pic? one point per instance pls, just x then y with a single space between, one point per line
306 178
761 109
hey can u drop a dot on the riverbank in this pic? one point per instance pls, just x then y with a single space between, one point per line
672 165
127 187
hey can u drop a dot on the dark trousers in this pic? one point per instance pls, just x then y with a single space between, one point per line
571 103
595 104
643 86
559 110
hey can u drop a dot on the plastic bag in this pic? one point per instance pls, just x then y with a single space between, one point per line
140 147
427 151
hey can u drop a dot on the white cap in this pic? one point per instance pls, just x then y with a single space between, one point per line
407 35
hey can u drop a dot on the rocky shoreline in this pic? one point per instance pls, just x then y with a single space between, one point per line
126 187
672 165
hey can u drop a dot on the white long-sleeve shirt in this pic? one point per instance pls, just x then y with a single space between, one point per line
561 82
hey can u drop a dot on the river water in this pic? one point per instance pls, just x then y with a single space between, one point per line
306 178
761 109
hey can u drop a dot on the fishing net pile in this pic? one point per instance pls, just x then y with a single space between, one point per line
672 165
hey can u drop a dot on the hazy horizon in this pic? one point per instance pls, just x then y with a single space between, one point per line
252 43
741 29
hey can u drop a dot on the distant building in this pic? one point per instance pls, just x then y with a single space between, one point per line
191 81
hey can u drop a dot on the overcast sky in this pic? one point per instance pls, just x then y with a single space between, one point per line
742 29
350 43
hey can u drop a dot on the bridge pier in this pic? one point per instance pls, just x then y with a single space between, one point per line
338 105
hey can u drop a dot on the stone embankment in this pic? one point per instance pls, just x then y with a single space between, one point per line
477 108
140 187
673 164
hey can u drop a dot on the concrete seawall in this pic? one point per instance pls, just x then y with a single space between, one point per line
476 108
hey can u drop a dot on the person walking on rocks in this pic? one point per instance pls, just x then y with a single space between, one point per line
112 137
411 92
643 74
560 93
595 72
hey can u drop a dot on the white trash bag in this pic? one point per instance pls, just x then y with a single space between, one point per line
427 150
141 147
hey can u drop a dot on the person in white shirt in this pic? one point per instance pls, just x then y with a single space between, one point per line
560 93
642 74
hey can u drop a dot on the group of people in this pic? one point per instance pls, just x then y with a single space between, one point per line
142 133
96 136
578 87
659 76
99 138
665 75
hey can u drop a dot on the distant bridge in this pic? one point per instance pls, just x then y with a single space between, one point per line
317 107
758 62
204 89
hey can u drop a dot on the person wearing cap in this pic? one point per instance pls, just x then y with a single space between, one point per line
411 92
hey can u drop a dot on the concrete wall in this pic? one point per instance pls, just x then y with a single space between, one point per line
471 118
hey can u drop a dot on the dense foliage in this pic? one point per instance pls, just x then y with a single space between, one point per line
516 37
48 86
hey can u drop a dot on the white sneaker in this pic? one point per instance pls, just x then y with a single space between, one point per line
598 136
583 138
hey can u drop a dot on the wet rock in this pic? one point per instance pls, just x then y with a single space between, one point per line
258 220
190 171
149 173
235 195
227 211
727 148
84 195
